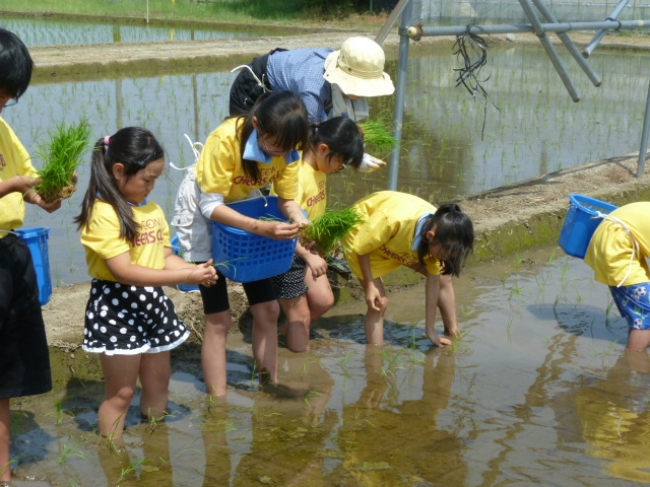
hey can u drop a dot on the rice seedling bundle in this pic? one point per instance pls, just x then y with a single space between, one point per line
377 133
61 155
328 229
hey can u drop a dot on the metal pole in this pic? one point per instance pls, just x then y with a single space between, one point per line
390 21
569 44
415 31
550 50
400 95
640 168
601 33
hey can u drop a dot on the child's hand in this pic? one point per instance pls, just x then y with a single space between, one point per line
370 163
204 274
316 264
281 230
24 184
33 197
438 340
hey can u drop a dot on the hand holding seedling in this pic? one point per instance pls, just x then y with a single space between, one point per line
280 230
204 274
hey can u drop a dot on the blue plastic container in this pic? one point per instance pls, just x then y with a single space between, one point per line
581 222
36 239
244 257
176 248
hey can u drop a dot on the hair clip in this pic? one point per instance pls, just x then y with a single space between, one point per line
107 139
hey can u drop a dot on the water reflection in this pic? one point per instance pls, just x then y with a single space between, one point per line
36 31
615 417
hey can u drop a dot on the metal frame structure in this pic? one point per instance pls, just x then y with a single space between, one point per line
408 32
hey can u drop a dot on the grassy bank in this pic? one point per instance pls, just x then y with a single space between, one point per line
255 12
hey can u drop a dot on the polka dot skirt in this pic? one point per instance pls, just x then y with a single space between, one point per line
291 284
122 319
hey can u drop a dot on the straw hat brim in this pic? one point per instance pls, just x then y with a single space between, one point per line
352 85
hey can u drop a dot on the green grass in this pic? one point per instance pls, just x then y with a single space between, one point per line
61 155
248 12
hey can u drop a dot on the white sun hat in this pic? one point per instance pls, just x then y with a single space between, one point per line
358 68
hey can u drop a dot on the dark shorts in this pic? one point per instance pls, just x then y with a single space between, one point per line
245 90
24 356
291 284
126 320
215 298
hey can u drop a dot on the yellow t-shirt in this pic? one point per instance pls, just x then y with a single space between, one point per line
610 249
14 161
312 190
387 234
220 170
101 239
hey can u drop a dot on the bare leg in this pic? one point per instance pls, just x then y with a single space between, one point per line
5 439
120 375
305 309
297 323
638 339
213 352
155 373
375 317
265 338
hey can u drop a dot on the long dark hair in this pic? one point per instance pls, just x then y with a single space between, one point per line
15 64
342 136
281 115
454 233
134 147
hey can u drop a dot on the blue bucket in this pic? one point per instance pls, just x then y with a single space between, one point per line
36 239
242 256
176 248
581 222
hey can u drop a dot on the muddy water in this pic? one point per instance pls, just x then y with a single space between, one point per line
538 391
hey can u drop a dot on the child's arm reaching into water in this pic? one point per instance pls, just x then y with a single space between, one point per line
176 271
433 295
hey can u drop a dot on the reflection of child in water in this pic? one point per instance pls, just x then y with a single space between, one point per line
615 417
617 253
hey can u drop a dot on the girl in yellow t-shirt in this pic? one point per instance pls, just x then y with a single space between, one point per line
240 157
403 230
304 292
617 253
129 319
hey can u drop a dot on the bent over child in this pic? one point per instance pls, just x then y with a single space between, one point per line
403 230
617 253
129 319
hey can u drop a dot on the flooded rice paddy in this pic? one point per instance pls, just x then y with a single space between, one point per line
538 391
454 144
43 31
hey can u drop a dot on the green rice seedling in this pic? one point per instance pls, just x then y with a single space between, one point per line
377 133
458 342
70 449
328 229
61 156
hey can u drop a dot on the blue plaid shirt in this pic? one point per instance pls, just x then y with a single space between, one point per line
301 71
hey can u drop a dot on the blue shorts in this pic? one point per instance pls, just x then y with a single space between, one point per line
633 302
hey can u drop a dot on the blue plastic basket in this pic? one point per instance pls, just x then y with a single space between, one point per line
176 248
581 222
36 239
242 256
